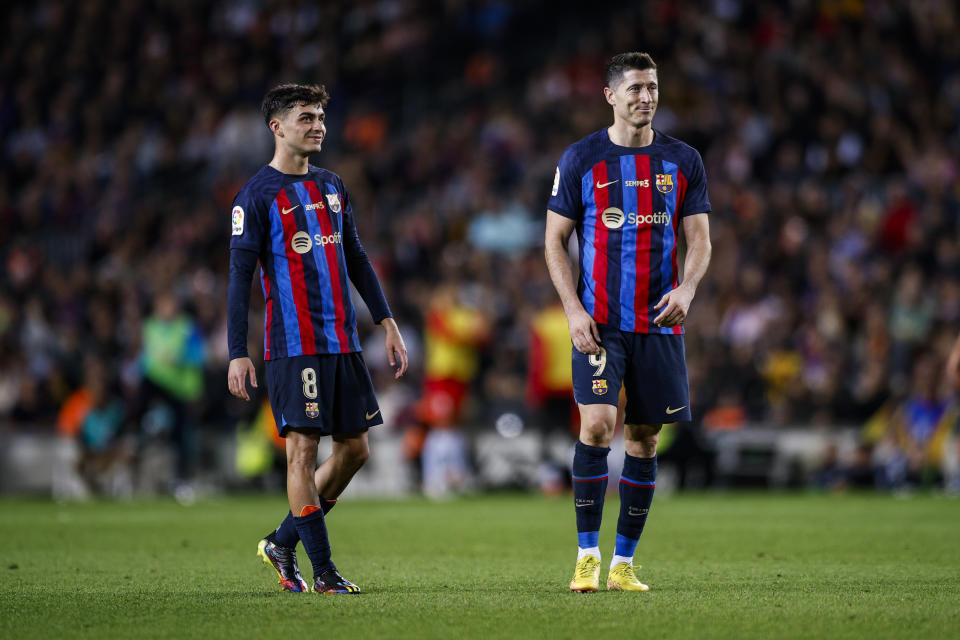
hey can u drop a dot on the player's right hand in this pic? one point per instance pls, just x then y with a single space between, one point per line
584 332
237 377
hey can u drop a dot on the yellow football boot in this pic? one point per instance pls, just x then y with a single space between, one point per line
586 577
622 578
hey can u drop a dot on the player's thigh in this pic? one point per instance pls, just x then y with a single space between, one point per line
353 401
305 392
298 387
656 382
597 378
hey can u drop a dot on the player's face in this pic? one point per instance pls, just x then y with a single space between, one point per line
634 99
302 128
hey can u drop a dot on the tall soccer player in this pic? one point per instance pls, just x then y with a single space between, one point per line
633 194
297 221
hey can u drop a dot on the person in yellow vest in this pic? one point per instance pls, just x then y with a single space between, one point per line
549 374
453 335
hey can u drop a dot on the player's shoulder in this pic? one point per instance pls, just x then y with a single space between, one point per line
586 151
262 186
321 175
597 143
676 147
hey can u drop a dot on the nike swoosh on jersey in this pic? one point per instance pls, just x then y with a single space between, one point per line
370 415
606 184
286 211
673 411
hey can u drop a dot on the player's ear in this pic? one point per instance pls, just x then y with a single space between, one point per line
275 128
609 95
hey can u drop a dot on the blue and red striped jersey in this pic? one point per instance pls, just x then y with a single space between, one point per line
302 230
628 202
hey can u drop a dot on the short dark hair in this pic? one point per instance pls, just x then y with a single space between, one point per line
622 62
284 97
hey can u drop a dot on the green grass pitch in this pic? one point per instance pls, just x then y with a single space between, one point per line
719 566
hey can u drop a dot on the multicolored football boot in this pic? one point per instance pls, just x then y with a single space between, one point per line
332 582
284 562
586 576
622 578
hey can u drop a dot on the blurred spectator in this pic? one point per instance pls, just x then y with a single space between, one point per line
923 423
549 371
173 359
454 332
95 417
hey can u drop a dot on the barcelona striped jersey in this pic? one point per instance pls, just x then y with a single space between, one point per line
627 202
302 230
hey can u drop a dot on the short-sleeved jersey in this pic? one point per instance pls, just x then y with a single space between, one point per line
628 202
300 226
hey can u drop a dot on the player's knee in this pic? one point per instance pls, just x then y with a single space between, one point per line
641 440
359 454
642 448
597 433
597 424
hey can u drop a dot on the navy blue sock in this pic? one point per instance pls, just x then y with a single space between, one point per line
286 534
589 488
637 483
313 534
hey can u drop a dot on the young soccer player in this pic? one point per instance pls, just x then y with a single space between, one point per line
629 191
297 221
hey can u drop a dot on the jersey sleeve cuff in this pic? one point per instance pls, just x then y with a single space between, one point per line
563 213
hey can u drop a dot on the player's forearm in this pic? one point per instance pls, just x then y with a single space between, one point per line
242 265
362 274
558 264
365 279
695 265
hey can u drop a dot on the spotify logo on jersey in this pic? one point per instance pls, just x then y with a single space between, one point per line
301 242
612 218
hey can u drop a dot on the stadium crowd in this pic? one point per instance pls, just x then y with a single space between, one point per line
828 131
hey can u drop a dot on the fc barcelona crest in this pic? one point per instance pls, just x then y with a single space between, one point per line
664 182
333 199
600 387
313 409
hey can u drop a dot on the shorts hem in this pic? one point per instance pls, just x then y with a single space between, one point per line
325 431
613 402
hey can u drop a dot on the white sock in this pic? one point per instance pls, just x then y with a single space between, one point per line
618 559
590 551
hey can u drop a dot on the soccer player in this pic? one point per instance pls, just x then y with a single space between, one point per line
297 220
629 191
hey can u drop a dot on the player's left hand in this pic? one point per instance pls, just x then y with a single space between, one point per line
675 304
396 350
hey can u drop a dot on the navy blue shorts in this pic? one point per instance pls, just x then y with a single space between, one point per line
331 393
652 368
